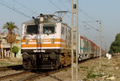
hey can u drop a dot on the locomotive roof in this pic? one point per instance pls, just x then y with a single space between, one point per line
46 20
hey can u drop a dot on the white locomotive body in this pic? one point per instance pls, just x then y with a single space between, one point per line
46 50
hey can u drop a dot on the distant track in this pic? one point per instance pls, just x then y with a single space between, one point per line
13 75
14 67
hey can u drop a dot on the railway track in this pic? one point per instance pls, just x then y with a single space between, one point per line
14 67
32 75
29 75
39 75
2 78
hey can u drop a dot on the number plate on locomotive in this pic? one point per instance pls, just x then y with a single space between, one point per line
38 50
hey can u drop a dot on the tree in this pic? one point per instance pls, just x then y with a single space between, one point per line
117 37
10 26
11 38
15 50
115 46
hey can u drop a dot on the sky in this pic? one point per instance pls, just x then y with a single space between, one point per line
89 11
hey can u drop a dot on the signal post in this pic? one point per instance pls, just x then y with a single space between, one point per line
74 48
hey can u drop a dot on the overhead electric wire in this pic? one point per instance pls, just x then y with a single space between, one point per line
78 18
86 14
61 10
26 7
91 26
65 6
54 5
12 8
83 12
70 12
58 7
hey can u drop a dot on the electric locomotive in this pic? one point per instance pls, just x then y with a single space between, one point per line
45 43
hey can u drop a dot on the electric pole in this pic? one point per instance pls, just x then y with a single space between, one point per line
100 38
74 35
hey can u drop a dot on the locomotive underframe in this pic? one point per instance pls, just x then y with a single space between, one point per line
46 60
40 61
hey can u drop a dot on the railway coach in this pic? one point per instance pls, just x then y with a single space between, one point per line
88 49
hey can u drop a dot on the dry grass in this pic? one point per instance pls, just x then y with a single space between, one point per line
10 61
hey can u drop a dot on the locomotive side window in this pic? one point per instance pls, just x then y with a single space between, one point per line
48 28
32 29
66 33
62 30
69 35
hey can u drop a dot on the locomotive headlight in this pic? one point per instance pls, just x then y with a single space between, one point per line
52 55
52 41
38 41
41 40
26 41
41 18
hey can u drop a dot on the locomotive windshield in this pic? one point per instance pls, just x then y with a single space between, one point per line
32 29
49 29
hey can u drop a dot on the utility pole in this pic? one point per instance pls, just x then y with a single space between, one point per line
0 49
100 38
74 35
105 47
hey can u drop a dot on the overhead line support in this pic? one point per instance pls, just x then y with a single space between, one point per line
74 32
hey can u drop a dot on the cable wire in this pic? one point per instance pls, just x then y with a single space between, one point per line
83 12
91 26
12 8
26 7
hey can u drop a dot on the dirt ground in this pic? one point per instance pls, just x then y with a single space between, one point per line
92 70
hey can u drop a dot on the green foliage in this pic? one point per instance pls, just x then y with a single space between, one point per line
15 49
1 63
84 67
115 46
9 26
91 75
117 37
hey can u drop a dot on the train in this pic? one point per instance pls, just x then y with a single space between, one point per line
44 49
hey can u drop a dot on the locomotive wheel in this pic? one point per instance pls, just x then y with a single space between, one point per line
27 64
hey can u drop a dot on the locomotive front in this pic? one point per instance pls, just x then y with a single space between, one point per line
40 43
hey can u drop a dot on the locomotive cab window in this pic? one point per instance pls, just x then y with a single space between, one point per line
49 29
32 29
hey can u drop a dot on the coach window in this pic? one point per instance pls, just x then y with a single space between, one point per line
32 29
48 28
